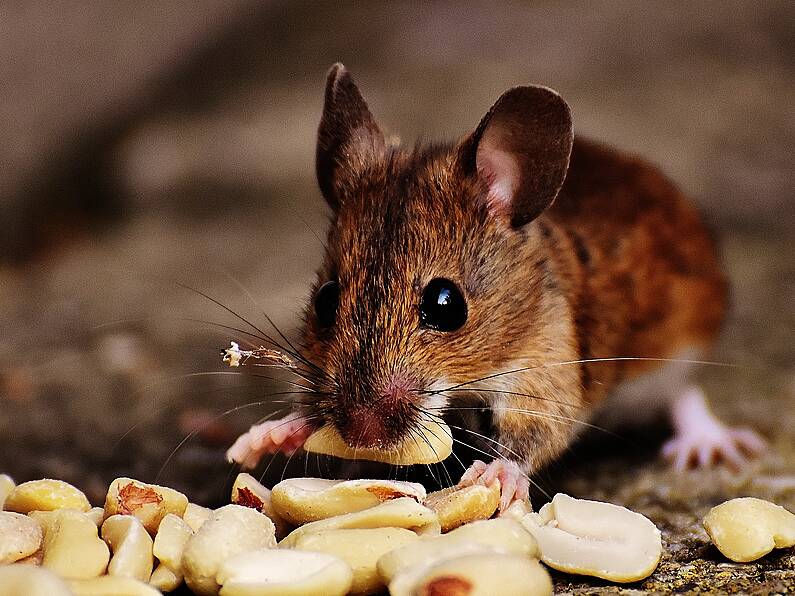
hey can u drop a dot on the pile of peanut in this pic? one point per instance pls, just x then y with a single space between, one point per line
310 536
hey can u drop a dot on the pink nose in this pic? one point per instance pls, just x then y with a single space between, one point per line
365 428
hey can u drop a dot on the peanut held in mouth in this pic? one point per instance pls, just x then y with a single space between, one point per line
746 529
429 443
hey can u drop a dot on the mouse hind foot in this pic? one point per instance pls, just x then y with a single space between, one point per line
701 439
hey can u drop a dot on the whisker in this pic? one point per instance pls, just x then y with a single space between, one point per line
586 361
536 397
197 430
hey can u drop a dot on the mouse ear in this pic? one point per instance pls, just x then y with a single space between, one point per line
521 150
348 137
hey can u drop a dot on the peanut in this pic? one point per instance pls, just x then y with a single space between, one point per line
26 580
284 573
249 492
302 500
361 549
20 537
45 495
457 506
148 502
131 546
746 529
403 512
72 547
231 530
593 538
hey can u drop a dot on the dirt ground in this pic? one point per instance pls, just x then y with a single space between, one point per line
108 364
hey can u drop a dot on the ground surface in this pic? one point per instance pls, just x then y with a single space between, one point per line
106 365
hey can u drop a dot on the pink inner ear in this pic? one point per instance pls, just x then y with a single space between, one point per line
501 173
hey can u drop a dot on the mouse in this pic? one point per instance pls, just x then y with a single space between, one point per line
520 280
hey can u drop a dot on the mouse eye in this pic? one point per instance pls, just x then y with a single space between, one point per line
326 301
442 306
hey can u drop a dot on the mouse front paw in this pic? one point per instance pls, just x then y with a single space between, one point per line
702 440
285 435
514 483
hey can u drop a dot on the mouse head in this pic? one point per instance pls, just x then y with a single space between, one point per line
431 277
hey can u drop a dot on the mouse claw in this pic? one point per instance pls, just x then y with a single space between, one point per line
514 483
273 436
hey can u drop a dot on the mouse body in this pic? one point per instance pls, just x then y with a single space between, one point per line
520 281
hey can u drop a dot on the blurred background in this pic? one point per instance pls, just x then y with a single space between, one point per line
151 144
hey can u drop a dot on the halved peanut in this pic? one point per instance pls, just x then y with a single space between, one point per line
403 512
111 585
593 538
7 484
45 495
458 505
72 546
480 574
302 500
746 529
361 549
431 442
195 515
231 530
20 537
131 545
148 502
27 580
165 579
249 492
500 535
284 573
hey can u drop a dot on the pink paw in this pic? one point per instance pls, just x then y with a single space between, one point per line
710 444
274 436
514 483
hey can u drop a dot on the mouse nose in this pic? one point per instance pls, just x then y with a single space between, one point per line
365 428
378 421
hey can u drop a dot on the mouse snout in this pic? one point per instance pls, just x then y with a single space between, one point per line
379 419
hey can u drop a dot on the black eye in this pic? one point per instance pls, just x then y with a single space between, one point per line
326 302
442 306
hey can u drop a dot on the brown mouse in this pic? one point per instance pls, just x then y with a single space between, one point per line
520 279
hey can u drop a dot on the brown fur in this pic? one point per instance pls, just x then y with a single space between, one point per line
620 265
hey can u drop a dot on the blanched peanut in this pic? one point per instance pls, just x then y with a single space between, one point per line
431 442
111 585
165 579
148 502
27 580
97 515
20 537
361 549
45 495
249 492
746 529
457 506
475 575
404 512
302 500
131 545
72 547
231 530
172 536
284 573
195 515
7 484
593 538
494 535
